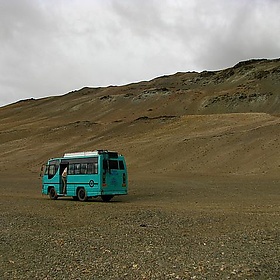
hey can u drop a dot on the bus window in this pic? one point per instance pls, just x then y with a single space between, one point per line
77 168
51 171
84 168
113 164
95 168
71 169
92 168
121 165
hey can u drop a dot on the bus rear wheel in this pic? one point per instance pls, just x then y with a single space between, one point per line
52 193
82 196
106 198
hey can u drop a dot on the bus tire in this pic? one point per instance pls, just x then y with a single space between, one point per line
106 198
82 195
52 193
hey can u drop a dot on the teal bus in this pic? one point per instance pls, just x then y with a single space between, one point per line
84 175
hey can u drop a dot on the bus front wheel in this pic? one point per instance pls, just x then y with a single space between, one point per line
52 193
82 196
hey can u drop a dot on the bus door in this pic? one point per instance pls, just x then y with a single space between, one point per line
63 178
113 174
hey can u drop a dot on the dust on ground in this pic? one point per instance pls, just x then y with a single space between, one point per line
196 227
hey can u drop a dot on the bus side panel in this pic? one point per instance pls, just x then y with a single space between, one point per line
90 182
54 182
93 186
70 186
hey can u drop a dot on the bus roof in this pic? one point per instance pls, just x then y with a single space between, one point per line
91 153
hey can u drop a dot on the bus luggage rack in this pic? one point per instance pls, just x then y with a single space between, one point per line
81 154
91 153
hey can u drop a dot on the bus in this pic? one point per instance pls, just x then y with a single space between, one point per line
88 174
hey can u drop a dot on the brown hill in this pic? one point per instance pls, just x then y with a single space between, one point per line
224 121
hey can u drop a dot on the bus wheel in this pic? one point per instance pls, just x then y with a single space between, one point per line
52 193
82 196
106 198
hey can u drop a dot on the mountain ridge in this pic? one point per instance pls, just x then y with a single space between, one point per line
141 120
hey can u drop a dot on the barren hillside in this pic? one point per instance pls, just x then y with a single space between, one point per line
223 122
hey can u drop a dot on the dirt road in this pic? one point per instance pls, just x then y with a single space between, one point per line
185 228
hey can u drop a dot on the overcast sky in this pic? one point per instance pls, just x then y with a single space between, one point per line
51 47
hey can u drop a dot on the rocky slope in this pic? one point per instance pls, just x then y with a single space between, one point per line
223 121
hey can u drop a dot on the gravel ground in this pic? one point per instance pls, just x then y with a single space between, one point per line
188 234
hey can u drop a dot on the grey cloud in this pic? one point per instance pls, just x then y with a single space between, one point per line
52 47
